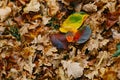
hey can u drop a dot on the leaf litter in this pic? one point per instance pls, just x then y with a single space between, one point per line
59 40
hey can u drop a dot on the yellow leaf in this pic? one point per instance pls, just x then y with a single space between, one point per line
73 22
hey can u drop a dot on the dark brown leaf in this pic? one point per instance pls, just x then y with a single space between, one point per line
112 18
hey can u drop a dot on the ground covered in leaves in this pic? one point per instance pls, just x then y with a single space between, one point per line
28 53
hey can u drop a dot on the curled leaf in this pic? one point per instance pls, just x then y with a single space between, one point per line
59 41
85 35
73 22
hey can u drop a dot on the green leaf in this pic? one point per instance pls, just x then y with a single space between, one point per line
118 46
117 53
73 19
15 32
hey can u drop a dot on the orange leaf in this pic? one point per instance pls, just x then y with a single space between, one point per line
69 37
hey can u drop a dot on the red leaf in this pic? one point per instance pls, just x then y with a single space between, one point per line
78 35
110 23
112 18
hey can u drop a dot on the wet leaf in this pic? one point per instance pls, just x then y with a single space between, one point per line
85 35
59 41
73 22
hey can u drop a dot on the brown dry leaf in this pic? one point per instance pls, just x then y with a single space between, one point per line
53 7
90 7
34 6
35 58
112 18
115 34
118 74
73 68
110 75
4 13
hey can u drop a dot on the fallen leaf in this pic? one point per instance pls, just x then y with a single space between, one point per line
73 22
117 53
118 46
85 35
73 68
59 41
4 13
115 34
78 34
70 37
81 36
110 75
34 6
112 18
